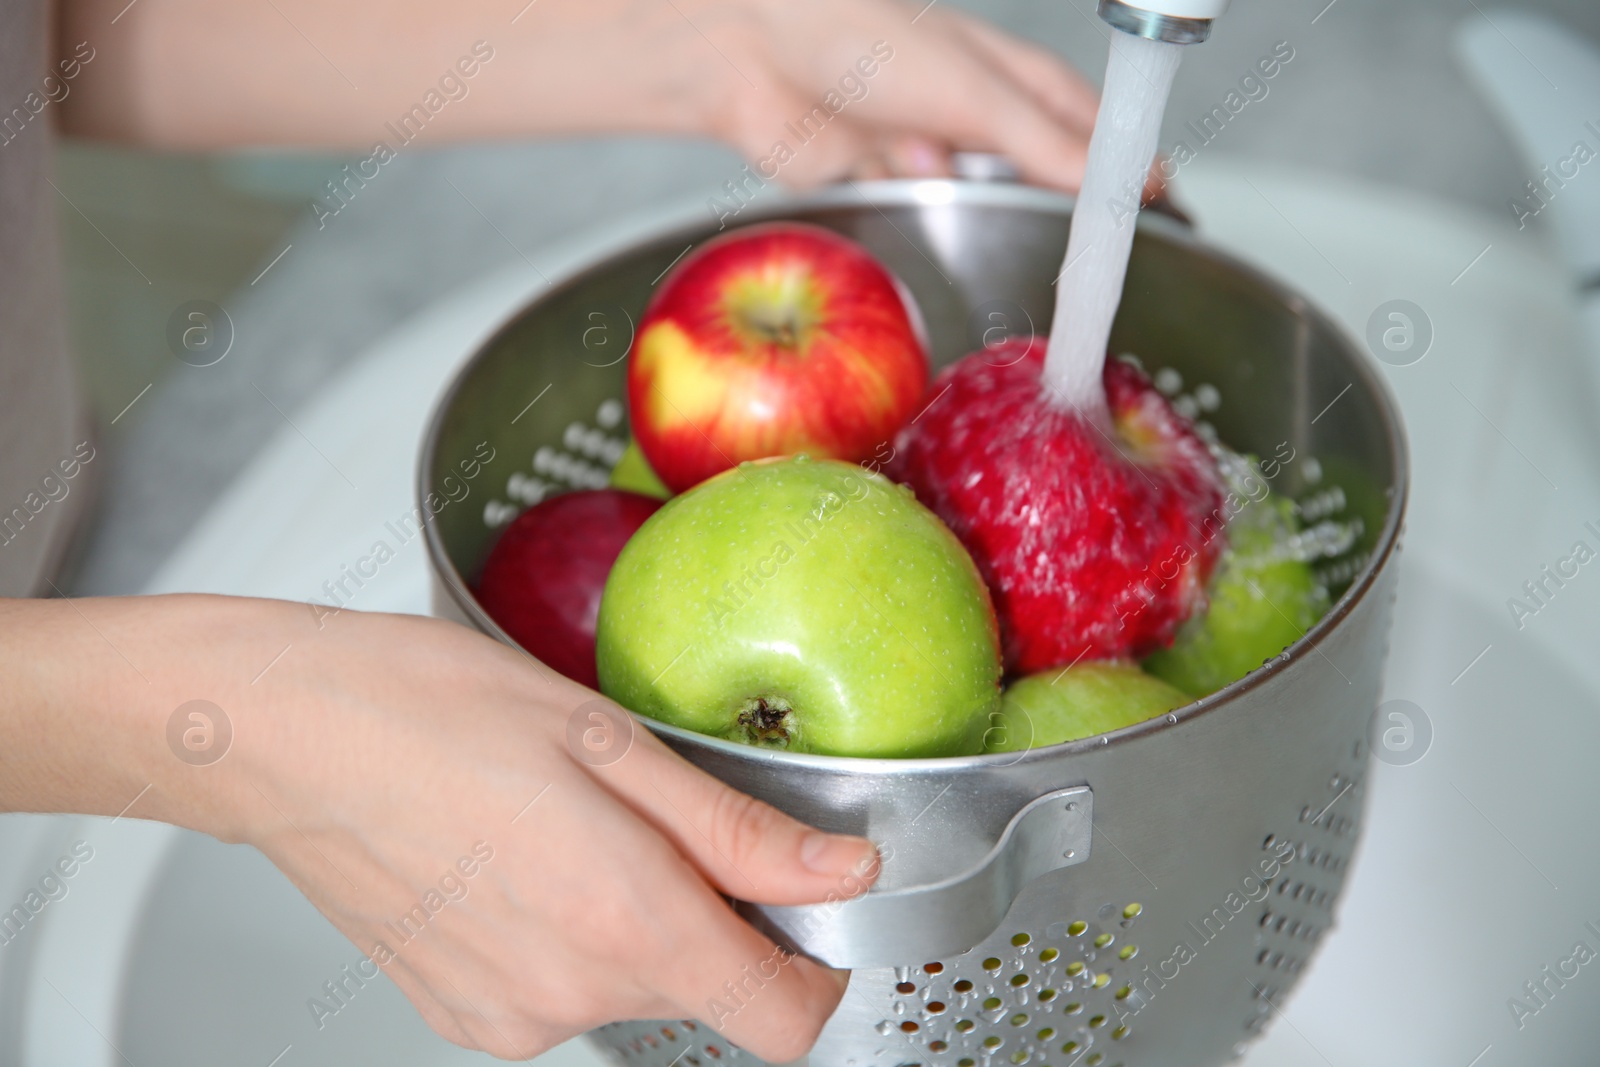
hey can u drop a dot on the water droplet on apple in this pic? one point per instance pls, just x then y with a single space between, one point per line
802 457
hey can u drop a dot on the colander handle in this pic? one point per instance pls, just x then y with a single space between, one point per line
900 927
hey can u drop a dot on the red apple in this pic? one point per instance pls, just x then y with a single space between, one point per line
769 341
1096 540
544 576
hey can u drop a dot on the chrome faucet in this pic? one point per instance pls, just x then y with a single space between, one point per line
1175 21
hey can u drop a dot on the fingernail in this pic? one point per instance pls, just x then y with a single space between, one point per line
832 853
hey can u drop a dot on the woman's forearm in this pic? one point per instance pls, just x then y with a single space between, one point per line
201 74
109 705
60 717
809 92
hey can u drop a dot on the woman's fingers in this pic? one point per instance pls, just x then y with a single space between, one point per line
914 156
603 918
792 138
720 970
1042 149
1062 90
914 88
946 86
448 1023
744 848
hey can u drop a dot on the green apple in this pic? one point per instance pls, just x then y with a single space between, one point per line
634 474
1261 602
808 605
1085 700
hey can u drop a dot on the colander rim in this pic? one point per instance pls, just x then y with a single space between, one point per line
659 225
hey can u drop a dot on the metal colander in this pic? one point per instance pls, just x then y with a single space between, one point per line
1145 898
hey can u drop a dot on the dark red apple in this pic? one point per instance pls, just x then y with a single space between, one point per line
544 576
1096 540
770 341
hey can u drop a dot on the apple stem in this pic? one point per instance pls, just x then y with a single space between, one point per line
1138 80
779 327
765 722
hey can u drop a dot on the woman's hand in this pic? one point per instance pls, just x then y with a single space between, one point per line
861 88
416 781
912 83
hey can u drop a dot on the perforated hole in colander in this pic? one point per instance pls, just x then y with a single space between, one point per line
1299 907
682 1042
583 460
1033 999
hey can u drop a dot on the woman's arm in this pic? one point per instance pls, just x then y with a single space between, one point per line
415 781
893 87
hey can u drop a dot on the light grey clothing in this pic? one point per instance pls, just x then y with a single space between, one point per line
47 453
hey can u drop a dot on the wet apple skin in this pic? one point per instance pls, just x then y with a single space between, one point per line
811 585
1096 541
1086 700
